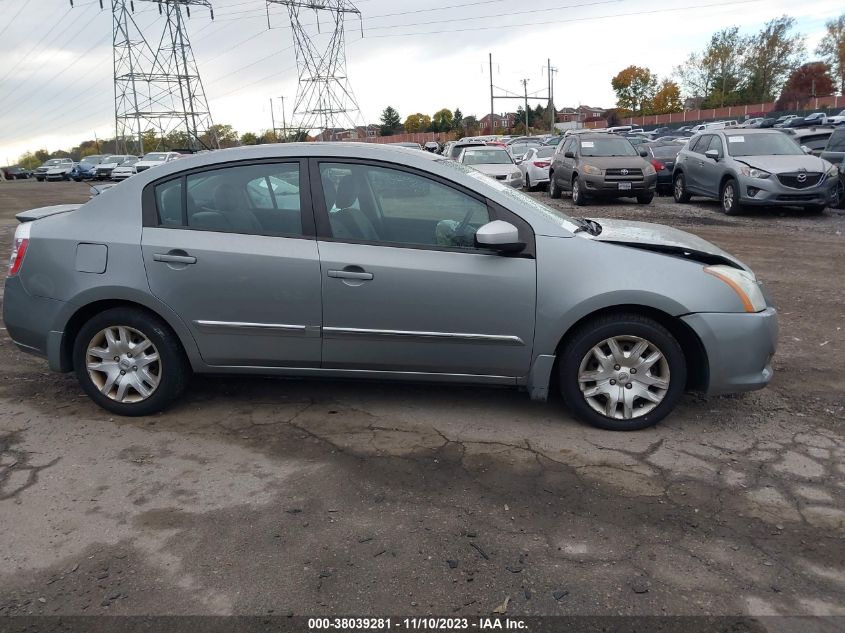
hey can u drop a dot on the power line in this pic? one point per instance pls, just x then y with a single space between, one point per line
14 17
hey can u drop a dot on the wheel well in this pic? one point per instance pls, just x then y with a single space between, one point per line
698 365
82 316
725 179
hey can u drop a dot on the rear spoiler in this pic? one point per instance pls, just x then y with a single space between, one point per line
43 212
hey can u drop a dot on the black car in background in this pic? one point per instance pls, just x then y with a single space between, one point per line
662 156
834 152
16 173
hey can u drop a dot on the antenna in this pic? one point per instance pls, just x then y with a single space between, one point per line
324 98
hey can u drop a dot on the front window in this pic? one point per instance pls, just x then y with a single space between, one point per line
607 147
774 144
379 204
113 159
836 143
156 156
486 157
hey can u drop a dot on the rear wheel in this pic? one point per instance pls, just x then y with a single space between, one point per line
730 198
622 372
130 362
554 189
680 188
579 198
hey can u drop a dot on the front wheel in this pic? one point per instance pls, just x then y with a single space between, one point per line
679 188
130 362
622 372
554 189
815 208
730 198
838 199
579 198
645 198
527 182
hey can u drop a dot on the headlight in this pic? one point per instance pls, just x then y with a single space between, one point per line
753 172
743 283
833 172
649 170
516 174
592 170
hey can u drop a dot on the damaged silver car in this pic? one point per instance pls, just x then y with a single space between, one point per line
366 261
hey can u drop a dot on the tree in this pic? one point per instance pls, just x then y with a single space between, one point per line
832 49
724 56
667 98
772 55
634 87
248 138
390 121
442 120
42 155
417 122
458 120
471 125
806 81
29 161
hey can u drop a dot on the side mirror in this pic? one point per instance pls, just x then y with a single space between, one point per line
712 154
569 154
643 153
500 236
806 149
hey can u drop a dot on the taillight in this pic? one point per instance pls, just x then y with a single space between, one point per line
542 163
19 246
657 164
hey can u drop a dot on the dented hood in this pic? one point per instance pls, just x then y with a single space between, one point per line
662 239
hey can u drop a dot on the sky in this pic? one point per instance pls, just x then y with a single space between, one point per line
56 86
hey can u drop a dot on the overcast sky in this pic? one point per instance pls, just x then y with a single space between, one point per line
56 84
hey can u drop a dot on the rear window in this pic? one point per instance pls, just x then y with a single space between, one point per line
836 142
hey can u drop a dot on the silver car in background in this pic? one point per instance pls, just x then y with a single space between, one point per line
741 168
363 261
494 162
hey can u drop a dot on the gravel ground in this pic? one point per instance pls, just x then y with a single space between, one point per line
256 496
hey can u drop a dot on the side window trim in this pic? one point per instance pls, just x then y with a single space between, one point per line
149 206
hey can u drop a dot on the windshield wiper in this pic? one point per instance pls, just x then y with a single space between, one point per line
591 226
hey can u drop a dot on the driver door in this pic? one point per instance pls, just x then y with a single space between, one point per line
404 287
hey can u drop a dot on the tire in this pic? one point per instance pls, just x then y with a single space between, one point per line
527 182
729 198
838 199
165 378
579 198
645 198
578 361
815 208
554 190
679 188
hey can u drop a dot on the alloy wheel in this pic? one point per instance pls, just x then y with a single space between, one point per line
728 198
123 364
624 377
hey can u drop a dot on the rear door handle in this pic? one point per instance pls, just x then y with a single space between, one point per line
173 258
350 274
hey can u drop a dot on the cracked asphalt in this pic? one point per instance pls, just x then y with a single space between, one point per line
257 496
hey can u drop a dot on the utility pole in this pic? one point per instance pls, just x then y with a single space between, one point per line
551 71
273 118
284 125
490 60
525 88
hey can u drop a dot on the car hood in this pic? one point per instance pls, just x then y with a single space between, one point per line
107 165
496 170
662 239
149 163
59 169
781 164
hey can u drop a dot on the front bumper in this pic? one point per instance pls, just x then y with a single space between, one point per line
770 192
64 175
30 321
739 348
598 185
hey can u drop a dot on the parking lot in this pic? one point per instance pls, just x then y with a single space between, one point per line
256 496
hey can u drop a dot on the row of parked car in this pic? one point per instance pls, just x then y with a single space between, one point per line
114 167
740 167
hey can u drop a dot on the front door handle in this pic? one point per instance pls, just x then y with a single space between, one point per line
350 274
174 258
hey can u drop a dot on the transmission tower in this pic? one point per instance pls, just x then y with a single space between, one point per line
157 86
324 98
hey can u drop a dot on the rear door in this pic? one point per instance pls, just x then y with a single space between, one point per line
231 249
